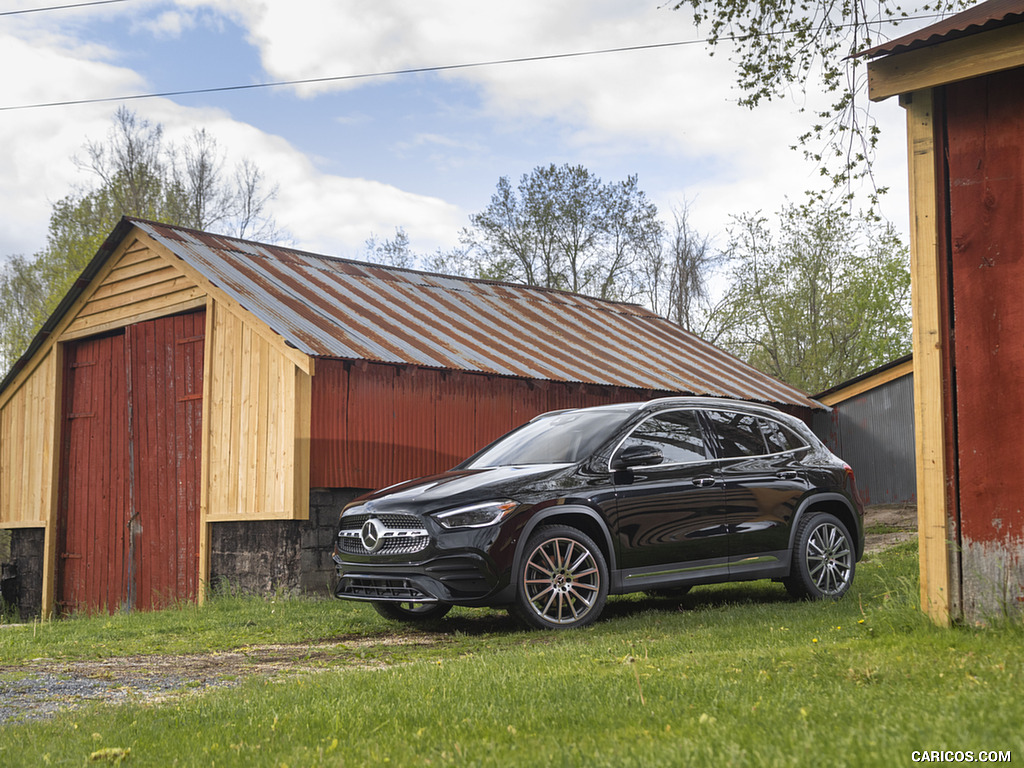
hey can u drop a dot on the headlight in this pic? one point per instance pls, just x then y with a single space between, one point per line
477 515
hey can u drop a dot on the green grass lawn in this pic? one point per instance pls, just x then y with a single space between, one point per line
736 675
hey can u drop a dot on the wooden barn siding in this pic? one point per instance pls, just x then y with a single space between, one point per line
139 285
27 424
256 446
374 425
985 126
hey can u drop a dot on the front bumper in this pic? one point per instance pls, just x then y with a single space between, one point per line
463 579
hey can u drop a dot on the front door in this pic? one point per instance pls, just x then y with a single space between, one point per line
670 517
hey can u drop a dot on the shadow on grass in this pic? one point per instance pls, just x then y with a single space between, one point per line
474 622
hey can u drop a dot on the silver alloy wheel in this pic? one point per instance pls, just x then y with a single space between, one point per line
829 558
561 580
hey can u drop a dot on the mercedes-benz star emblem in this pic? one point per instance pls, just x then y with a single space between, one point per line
372 534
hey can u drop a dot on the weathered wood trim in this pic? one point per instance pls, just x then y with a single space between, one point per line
49 598
891 374
195 298
6 525
948 62
925 262
302 429
204 462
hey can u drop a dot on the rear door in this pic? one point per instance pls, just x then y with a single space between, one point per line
763 482
670 518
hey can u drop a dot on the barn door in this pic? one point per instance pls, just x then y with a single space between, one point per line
165 358
128 536
92 567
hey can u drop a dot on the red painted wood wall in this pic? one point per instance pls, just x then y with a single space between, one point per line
985 130
374 425
128 535
984 142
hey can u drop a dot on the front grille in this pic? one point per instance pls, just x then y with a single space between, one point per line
370 588
396 534
407 545
355 522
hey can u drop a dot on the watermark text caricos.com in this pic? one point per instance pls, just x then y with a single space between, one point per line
960 756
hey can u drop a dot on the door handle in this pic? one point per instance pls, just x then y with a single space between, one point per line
704 481
787 474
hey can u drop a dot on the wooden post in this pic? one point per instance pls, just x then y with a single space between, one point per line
930 437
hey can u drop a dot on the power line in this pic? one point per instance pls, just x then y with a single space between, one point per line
343 78
371 75
60 7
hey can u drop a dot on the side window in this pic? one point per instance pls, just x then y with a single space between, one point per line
677 434
779 438
739 434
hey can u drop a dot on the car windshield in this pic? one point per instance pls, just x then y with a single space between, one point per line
561 438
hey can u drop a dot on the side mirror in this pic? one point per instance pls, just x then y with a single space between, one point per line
637 456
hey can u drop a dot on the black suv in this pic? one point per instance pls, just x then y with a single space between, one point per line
576 505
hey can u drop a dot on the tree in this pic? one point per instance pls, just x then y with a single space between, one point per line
138 174
824 299
21 294
786 45
672 278
392 253
563 228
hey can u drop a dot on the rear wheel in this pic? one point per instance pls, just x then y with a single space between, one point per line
562 581
824 558
412 613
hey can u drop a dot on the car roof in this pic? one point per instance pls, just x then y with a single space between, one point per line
664 403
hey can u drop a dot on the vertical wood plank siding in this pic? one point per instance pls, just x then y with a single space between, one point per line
128 526
257 436
166 407
985 123
93 571
373 425
27 421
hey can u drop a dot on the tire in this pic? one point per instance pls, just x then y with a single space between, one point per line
412 613
824 559
562 580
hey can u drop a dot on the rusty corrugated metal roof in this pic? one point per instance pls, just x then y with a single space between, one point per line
338 308
980 18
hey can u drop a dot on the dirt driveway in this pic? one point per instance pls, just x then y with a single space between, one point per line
41 687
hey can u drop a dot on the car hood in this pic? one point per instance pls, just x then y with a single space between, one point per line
469 485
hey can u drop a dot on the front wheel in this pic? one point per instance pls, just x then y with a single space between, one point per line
824 559
412 613
562 581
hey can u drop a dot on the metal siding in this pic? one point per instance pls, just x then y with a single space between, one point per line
374 425
874 433
332 308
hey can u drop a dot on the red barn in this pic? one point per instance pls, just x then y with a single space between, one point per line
199 408
962 84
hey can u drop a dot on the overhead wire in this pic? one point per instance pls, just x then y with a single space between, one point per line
60 7
372 75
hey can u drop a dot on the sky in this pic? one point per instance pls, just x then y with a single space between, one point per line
359 157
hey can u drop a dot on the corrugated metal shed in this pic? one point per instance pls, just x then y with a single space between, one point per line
872 429
336 308
980 18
